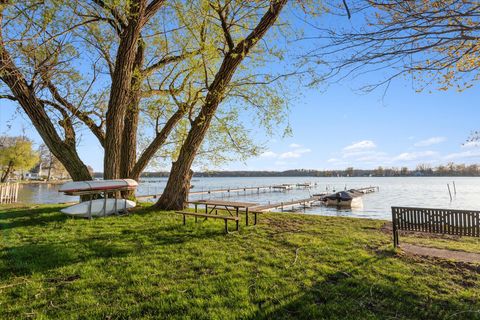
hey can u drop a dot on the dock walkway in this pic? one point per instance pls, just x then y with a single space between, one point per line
236 191
288 204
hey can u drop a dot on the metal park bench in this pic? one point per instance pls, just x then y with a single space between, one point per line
440 221
206 216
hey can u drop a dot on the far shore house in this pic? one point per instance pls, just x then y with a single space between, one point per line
34 174
41 173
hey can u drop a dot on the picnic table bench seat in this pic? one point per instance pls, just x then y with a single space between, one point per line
206 216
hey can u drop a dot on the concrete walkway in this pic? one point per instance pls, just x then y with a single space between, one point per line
441 253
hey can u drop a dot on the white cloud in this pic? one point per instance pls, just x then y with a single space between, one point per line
290 155
410 156
332 160
471 144
359 146
463 155
269 154
430 141
294 154
295 145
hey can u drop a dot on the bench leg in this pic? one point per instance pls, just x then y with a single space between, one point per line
226 225
246 216
184 220
255 218
237 224
195 219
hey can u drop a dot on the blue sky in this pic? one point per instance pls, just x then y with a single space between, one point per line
340 126
344 127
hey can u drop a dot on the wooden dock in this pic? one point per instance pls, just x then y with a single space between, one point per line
236 191
368 190
233 190
288 204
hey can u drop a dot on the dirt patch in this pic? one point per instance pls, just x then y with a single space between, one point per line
284 225
462 256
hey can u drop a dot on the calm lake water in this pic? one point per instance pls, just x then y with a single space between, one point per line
398 191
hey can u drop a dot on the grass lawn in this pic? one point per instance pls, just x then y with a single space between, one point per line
290 266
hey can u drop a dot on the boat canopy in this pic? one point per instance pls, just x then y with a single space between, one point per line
342 195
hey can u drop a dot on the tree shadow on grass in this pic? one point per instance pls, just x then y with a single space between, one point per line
30 217
348 294
32 258
344 296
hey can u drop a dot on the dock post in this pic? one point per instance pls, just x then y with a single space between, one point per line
449 192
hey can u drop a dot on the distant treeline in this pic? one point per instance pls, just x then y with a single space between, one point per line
449 169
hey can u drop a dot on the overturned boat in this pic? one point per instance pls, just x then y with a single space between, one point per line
344 199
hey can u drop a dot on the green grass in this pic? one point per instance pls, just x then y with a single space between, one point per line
290 266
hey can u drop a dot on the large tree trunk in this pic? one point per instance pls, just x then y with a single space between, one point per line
129 138
7 171
121 90
176 198
176 191
49 171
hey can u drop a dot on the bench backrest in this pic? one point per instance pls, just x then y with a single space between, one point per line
444 221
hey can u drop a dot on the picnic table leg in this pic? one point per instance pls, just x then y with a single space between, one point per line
246 216
184 220
226 225
255 217
196 209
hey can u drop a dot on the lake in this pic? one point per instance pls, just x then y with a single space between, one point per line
393 191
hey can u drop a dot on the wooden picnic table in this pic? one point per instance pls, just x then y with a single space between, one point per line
229 206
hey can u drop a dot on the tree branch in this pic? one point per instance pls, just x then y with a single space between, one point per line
225 29
83 116
157 142
114 12
152 8
167 60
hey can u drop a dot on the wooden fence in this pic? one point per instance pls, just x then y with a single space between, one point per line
443 221
9 192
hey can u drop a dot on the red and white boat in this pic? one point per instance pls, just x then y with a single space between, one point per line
98 185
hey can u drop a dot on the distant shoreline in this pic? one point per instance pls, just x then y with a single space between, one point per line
42 182
262 175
